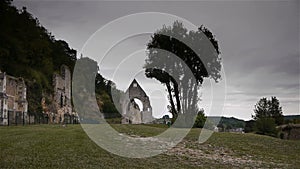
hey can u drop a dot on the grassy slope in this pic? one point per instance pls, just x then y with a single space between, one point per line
51 146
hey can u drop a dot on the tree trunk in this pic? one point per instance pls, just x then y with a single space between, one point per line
176 91
173 110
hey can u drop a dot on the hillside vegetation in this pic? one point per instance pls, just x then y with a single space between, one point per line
227 122
29 50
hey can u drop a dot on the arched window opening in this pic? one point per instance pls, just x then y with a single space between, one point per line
139 103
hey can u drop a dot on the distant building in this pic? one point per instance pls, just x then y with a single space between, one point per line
236 130
164 120
13 103
215 129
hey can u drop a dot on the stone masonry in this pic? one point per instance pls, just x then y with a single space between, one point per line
13 103
61 101
131 113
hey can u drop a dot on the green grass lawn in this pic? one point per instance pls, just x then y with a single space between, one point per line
52 146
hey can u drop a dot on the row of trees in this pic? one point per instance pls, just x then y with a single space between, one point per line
267 116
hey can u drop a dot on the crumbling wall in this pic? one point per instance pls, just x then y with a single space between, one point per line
129 112
61 100
290 131
13 103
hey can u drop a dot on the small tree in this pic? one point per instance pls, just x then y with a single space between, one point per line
269 109
249 126
266 126
200 119
268 114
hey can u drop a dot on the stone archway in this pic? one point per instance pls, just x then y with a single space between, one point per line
131 113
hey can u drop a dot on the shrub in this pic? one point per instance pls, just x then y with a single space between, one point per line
266 126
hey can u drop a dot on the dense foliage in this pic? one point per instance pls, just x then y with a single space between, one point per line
200 119
227 123
267 115
249 126
266 126
292 119
171 71
28 50
266 108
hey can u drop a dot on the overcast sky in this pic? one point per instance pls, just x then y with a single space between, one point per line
259 44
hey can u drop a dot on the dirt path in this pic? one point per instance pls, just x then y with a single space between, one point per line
203 154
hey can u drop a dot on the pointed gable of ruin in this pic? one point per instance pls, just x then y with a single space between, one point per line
135 87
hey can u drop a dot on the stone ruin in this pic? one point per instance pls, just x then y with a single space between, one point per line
13 102
131 113
61 105
289 131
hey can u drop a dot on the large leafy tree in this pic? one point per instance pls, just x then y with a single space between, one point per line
182 88
266 108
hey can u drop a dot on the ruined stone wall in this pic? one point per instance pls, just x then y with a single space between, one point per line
16 92
295 133
13 101
62 94
67 85
2 82
129 112
134 113
290 131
